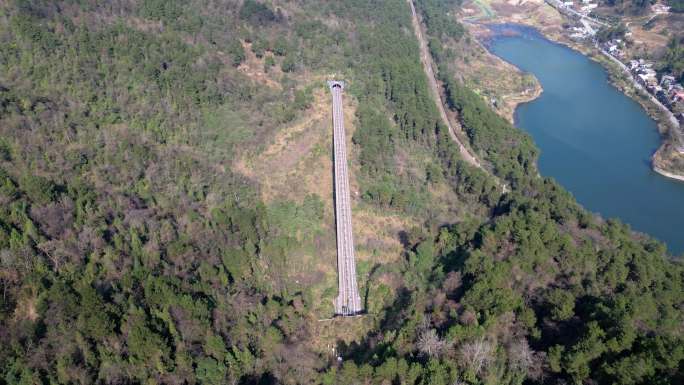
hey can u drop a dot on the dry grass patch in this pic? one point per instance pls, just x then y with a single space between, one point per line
298 161
26 309
667 158
376 235
253 68
494 78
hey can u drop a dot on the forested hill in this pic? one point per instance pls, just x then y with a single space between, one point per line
143 240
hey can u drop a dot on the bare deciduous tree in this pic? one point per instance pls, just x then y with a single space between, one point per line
468 318
425 323
452 281
53 252
429 343
520 356
538 367
477 354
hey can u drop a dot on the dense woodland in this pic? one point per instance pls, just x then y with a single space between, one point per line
676 5
630 6
130 252
673 60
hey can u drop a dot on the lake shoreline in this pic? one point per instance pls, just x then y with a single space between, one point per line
616 77
668 174
484 39
603 159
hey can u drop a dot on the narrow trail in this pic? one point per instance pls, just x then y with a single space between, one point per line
426 59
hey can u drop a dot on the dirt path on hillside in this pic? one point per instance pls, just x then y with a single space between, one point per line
426 59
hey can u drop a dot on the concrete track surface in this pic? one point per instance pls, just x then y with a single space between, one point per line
348 302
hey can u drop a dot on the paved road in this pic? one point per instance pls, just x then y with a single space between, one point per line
677 129
588 27
565 10
348 301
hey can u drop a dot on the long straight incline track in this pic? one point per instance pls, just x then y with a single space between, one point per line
348 302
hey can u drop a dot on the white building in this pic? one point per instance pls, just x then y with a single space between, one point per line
587 8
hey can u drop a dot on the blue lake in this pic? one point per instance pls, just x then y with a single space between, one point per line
594 140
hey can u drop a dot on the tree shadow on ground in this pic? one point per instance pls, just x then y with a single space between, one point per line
371 274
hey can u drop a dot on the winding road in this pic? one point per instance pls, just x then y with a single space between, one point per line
426 59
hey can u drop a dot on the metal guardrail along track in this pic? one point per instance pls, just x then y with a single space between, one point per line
348 302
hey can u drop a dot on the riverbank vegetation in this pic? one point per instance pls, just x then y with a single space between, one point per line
132 250
673 60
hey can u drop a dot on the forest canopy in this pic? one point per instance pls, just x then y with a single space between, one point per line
135 249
